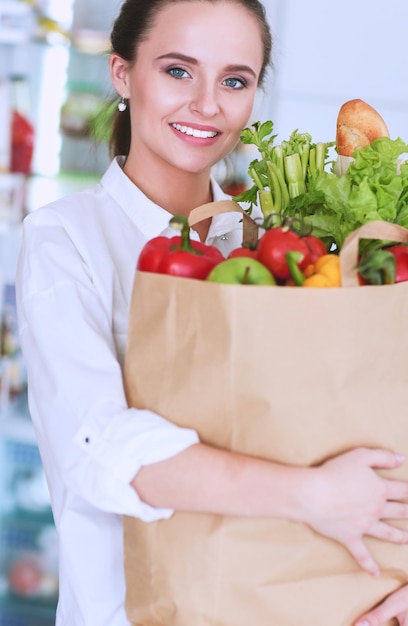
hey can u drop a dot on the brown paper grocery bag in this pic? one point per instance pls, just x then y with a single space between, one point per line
296 375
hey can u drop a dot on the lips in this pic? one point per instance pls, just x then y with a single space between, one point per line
195 132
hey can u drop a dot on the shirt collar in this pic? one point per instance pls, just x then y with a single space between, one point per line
150 218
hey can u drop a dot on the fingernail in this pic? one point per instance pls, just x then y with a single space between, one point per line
374 572
399 458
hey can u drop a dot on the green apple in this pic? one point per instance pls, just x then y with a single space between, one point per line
241 271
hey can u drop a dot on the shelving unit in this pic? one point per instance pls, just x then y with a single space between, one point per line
28 554
28 546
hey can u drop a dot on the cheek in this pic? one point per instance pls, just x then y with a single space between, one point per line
166 93
240 115
152 98
168 100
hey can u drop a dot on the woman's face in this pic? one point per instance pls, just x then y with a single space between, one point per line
192 87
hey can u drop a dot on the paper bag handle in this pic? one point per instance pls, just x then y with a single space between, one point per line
250 229
372 230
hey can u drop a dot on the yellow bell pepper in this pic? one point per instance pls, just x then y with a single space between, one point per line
324 273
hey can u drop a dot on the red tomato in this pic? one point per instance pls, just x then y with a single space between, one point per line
316 247
243 251
273 246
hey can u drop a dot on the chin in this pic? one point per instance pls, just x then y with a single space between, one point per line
191 168
197 161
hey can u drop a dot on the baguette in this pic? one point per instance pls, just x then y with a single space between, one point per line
358 124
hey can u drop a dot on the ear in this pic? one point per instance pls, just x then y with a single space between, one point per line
118 68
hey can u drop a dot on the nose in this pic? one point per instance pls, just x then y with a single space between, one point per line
204 100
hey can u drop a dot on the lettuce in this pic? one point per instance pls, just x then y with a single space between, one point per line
373 188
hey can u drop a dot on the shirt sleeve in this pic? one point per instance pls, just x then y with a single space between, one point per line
90 441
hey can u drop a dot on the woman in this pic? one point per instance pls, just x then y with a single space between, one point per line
183 104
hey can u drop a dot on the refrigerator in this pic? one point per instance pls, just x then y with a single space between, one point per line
56 53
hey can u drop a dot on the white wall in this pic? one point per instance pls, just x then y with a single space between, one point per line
329 52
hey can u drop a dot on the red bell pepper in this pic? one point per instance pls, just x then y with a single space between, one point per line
376 266
179 255
400 254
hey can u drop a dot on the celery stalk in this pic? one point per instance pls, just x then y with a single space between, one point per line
256 179
277 159
320 156
312 161
264 195
294 175
266 202
304 157
279 176
275 187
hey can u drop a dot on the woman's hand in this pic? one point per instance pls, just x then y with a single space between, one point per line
394 606
343 499
351 500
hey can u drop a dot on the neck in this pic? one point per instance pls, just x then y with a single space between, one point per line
174 190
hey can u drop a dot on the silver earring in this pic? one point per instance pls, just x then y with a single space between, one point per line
122 106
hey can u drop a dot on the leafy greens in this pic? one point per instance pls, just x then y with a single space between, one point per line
296 179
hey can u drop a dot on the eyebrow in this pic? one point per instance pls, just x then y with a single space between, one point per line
193 61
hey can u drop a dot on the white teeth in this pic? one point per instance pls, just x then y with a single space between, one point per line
187 130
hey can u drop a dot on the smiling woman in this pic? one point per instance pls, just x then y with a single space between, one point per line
186 73
206 97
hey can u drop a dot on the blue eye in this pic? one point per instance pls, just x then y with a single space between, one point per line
178 72
235 83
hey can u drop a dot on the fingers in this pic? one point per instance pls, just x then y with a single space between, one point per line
402 619
380 458
395 605
364 501
395 510
386 532
363 557
396 490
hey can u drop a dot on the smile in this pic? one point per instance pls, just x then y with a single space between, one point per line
194 132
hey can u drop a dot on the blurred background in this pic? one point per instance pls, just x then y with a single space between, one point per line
54 84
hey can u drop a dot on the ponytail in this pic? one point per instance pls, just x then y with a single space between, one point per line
119 141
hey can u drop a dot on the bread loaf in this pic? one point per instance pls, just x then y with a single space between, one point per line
358 124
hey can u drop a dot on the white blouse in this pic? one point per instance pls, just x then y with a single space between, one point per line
74 283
